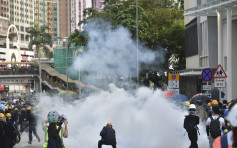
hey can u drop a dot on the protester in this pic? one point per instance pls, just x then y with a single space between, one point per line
108 136
53 133
3 135
31 117
190 124
229 140
214 125
12 133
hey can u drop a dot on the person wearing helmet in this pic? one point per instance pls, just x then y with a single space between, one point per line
187 103
22 119
53 133
11 131
108 136
214 125
3 137
214 103
190 125
32 118
229 140
15 116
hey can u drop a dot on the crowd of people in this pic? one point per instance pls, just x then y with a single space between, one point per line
19 116
220 119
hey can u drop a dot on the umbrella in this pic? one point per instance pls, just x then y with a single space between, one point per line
199 94
10 102
167 94
215 94
202 98
179 98
2 107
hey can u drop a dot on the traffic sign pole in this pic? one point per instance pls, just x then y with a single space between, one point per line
220 95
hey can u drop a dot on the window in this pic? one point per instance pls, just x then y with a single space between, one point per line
22 37
22 28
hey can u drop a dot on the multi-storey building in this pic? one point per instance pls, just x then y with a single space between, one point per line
64 13
46 15
22 16
211 29
4 20
77 8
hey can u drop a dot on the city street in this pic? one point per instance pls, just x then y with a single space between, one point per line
24 142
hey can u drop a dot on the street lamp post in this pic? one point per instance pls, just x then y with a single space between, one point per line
137 41
79 79
67 61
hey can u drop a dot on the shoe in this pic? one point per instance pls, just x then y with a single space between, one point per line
29 142
38 139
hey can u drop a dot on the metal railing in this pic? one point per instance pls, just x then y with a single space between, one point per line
19 71
56 83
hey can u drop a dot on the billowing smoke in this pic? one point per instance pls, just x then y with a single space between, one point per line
112 53
143 119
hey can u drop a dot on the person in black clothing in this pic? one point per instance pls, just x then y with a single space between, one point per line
108 136
32 125
3 132
11 131
22 118
190 124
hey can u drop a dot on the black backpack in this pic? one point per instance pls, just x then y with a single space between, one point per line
215 130
55 143
189 124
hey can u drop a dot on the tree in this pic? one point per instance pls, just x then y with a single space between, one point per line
42 40
161 27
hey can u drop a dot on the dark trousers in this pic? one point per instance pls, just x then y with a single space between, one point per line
102 142
193 137
32 128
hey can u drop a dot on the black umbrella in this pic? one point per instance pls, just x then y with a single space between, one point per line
202 98
215 94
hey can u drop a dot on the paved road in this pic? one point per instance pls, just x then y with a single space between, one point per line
24 142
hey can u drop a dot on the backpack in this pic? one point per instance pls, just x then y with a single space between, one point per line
215 127
189 124
55 143
17 135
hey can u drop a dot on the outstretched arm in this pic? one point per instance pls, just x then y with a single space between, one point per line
65 133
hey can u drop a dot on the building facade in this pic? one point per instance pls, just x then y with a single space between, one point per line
211 29
4 20
77 8
22 16
45 14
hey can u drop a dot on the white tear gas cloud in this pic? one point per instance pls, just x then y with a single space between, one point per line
143 119
112 52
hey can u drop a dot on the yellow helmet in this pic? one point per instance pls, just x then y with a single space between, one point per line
109 124
209 104
214 102
187 103
28 108
10 107
16 109
6 108
8 115
2 115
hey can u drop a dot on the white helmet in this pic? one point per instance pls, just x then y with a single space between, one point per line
232 116
192 106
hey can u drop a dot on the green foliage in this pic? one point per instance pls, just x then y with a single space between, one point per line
161 24
40 38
